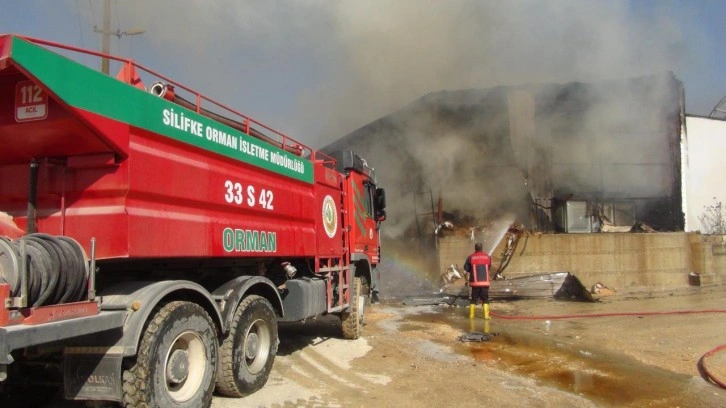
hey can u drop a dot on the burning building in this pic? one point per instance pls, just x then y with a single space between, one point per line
576 157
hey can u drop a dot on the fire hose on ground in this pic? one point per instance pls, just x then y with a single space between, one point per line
701 365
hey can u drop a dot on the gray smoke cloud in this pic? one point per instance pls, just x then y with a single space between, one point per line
320 69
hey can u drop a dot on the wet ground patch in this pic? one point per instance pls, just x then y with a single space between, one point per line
551 355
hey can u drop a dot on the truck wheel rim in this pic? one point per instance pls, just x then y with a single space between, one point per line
186 355
256 346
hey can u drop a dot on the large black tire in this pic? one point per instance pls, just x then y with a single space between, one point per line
247 353
352 320
176 362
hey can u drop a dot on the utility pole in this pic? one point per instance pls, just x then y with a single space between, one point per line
106 38
107 33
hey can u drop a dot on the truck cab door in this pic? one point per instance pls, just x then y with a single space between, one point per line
364 222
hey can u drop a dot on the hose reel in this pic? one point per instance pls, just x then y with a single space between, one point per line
57 268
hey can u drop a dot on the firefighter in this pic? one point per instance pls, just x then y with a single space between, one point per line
477 266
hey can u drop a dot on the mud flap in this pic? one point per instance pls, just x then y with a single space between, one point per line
92 374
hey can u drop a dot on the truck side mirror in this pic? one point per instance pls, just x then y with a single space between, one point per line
380 215
381 199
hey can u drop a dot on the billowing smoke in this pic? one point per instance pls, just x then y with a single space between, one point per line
520 149
320 69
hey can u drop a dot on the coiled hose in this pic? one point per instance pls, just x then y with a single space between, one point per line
57 268
701 365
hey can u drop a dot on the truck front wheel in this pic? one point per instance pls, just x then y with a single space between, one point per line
247 354
352 320
175 365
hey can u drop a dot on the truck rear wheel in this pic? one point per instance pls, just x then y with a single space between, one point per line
352 320
176 362
247 354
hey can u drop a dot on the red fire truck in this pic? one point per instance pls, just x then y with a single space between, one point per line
151 239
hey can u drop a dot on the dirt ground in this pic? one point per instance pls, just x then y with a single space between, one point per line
410 356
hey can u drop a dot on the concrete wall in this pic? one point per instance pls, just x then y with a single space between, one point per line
705 168
618 260
709 257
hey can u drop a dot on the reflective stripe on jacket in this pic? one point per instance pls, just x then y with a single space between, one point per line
477 264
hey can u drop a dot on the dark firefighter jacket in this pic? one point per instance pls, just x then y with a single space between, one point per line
477 264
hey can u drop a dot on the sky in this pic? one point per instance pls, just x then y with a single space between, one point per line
318 70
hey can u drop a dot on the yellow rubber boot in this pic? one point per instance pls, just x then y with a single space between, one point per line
472 308
486 326
485 310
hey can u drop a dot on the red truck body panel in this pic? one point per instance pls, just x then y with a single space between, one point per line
150 178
